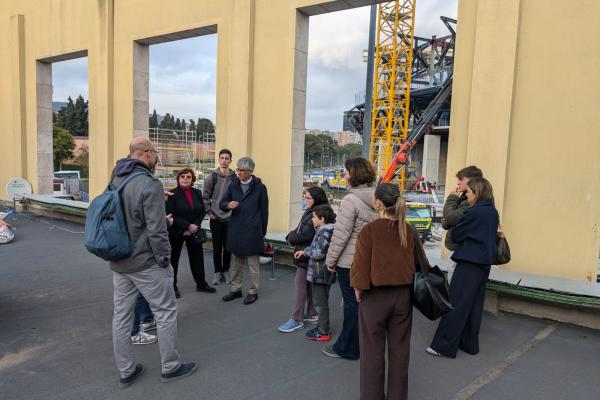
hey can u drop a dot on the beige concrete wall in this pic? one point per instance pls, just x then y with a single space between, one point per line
516 111
524 108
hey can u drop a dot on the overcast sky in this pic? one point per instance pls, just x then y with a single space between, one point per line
182 73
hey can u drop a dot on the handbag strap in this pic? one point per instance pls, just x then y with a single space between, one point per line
422 259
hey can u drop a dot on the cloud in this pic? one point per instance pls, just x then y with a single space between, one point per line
183 73
336 71
70 78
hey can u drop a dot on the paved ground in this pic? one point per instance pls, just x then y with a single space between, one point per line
55 341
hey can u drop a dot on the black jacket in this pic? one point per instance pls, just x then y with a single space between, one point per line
476 234
302 236
183 214
247 226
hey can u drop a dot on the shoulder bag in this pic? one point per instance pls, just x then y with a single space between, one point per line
430 287
503 255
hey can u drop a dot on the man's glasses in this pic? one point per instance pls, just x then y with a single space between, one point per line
242 170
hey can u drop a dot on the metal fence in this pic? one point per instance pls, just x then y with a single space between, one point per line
180 149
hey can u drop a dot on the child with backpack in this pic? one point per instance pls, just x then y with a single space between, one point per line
323 219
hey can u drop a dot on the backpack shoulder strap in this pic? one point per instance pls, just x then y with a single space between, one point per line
129 178
214 176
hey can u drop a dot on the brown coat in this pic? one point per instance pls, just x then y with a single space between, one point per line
379 259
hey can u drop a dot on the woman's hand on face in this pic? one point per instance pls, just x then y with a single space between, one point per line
457 191
193 228
298 254
358 294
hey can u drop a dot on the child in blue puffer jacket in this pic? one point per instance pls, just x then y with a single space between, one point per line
323 220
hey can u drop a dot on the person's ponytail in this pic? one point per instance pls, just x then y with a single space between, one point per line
395 208
400 216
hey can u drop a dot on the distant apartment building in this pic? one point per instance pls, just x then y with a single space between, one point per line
341 138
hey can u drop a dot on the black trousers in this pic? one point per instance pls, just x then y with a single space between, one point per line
195 256
221 257
459 329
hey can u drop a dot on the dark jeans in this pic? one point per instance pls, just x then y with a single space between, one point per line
195 256
142 314
221 257
347 345
321 299
459 329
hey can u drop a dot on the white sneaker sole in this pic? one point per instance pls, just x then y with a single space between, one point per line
140 343
292 329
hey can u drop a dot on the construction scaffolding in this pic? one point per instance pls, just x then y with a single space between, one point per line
180 149
391 84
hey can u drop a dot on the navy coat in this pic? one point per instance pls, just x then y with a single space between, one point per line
247 226
476 234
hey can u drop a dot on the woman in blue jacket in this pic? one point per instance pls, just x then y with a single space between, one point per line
476 234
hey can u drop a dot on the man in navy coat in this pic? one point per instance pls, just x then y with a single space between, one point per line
248 201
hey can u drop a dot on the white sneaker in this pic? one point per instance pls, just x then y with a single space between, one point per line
149 326
216 278
143 338
432 352
227 277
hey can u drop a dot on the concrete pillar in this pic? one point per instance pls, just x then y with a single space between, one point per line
19 109
141 89
298 118
431 158
45 164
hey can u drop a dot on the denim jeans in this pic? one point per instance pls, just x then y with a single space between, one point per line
347 345
142 314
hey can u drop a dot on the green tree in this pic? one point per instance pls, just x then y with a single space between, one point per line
73 117
62 145
66 115
153 123
177 125
168 122
203 127
319 151
192 125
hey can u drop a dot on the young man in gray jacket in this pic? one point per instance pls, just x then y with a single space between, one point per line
455 206
214 189
148 269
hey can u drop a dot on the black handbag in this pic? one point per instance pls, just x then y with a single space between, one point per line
503 255
198 237
430 288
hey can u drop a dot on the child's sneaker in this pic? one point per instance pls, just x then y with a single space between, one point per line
311 319
315 334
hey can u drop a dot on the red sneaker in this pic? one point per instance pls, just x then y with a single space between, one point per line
314 334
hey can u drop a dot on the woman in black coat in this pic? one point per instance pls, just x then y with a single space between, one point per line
301 238
476 234
188 211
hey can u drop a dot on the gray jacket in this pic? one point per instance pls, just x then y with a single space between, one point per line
356 210
213 192
454 207
143 203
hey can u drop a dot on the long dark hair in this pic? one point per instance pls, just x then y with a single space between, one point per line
318 195
395 207
361 171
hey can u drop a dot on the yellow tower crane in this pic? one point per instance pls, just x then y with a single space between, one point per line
391 83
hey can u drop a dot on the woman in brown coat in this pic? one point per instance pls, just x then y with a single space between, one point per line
382 277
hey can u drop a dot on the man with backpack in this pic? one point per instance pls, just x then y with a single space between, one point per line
215 187
147 269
